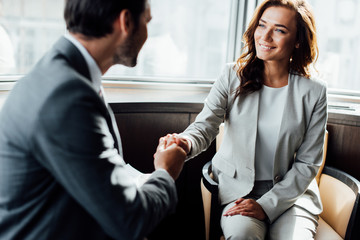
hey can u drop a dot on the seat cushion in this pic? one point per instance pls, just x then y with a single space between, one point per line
325 232
338 202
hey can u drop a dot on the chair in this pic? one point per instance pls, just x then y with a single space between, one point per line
339 193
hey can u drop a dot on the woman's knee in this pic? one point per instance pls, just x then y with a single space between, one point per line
239 227
295 223
244 235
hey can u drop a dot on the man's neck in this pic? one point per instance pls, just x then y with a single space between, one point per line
99 49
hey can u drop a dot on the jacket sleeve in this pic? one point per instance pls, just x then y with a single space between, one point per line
72 140
206 125
308 159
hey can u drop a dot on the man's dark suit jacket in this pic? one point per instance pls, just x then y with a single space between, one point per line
58 146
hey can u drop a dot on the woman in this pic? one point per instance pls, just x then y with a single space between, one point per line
275 117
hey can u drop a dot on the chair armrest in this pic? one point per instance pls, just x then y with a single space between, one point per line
212 209
353 185
209 183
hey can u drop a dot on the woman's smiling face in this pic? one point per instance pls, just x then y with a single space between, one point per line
275 35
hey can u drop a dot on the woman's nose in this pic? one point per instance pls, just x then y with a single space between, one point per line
267 36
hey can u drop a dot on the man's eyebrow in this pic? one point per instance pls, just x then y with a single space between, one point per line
278 25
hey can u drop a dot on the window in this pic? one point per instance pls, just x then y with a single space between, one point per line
27 30
338 26
187 39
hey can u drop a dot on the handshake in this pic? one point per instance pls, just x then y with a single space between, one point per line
171 153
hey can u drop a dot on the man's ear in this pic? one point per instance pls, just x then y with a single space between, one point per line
124 21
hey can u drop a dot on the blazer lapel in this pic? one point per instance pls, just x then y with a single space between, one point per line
247 115
253 114
77 61
114 130
284 138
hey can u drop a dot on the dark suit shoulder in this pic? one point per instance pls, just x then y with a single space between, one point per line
72 97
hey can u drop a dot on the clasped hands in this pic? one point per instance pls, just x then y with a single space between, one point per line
170 154
242 206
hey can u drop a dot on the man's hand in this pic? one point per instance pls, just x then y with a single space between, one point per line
247 207
170 158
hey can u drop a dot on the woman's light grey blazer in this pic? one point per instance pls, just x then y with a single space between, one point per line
299 148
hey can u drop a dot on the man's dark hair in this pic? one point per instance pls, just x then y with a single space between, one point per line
95 18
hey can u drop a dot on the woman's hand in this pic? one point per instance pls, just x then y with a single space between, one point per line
175 138
247 207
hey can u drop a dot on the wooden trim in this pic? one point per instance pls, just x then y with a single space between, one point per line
344 119
146 107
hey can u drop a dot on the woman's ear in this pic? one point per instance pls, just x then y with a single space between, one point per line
297 45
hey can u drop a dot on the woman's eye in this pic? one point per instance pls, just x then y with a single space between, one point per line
280 31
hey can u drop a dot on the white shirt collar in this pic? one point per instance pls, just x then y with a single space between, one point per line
95 72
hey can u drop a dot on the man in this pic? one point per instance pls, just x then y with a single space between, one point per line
59 142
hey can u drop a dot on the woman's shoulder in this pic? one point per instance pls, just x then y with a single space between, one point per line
313 82
229 68
230 73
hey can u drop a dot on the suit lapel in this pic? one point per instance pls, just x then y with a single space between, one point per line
254 114
77 61
246 116
114 130
287 113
